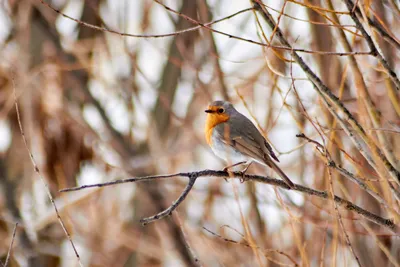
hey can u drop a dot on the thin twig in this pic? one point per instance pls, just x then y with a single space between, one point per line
317 144
98 28
252 246
322 13
388 223
324 151
310 21
371 45
348 174
347 239
287 48
363 93
330 98
339 216
385 35
129 180
36 169
11 245
308 5
199 25
175 204
355 179
187 244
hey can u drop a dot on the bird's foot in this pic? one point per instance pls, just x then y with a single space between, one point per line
227 169
243 177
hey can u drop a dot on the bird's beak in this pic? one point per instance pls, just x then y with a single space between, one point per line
208 111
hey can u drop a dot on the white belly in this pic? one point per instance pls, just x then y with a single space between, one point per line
226 152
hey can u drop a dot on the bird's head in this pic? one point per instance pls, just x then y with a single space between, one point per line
219 111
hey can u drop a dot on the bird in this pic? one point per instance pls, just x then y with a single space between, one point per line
236 140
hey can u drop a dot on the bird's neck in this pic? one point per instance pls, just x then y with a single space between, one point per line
212 121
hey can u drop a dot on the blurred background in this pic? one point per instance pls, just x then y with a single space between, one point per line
97 106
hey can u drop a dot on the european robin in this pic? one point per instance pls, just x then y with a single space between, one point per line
235 139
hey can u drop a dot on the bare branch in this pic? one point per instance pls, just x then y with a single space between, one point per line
11 245
388 223
379 29
175 204
370 42
203 25
122 181
360 183
287 48
329 97
347 174
94 27
46 186
246 244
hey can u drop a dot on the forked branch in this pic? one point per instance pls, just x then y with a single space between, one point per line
193 176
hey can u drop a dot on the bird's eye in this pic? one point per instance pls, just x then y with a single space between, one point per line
220 110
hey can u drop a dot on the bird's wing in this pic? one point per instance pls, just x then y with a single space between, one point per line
253 136
270 151
248 148
243 142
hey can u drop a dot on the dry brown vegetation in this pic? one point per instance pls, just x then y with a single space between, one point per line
113 92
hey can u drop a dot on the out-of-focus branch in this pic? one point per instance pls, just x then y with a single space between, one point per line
214 49
327 53
175 33
363 93
379 29
180 53
202 25
11 245
46 186
352 177
246 244
328 97
193 176
371 45
181 49
347 174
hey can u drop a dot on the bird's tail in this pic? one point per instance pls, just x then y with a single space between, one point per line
281 173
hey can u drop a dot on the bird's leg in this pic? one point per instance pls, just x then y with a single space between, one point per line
234 165
243 172
226 169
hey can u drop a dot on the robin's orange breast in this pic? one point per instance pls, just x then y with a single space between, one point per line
213 120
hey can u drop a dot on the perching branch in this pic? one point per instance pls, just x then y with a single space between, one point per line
193 176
